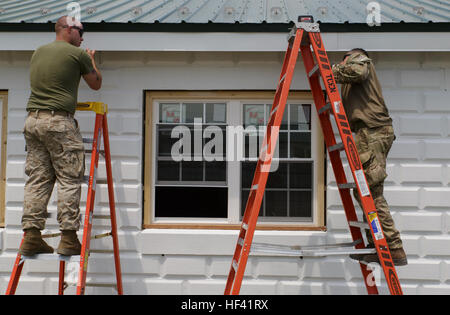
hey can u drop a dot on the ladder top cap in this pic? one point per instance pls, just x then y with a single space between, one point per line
306 19
97 107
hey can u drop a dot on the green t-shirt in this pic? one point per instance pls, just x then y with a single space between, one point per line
55 73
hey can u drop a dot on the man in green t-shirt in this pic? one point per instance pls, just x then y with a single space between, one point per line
55 150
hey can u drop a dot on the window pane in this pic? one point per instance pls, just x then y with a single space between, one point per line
300 175
214 142
215 171
276 203
168 170
192 171
300 145
244 197
282 144
169 113
191 202
165 141
192 111
300 117
251 141
247 172
278 179
284 122
300 204
254 115
216 113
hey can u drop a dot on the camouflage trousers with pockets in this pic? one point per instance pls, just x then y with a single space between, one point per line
55 153
373 145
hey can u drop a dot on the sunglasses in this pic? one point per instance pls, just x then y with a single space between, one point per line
79 29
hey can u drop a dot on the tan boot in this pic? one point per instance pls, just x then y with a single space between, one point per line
69 244
34 244
359 257
398 257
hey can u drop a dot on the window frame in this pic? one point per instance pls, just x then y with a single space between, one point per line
242 97
4 136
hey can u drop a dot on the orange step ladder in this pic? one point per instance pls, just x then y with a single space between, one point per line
101 128
305 37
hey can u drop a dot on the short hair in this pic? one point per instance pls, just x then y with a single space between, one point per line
360 50
59 25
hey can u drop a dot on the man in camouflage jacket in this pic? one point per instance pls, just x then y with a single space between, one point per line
370 121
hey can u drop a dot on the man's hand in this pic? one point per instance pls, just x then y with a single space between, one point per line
91 53
94 78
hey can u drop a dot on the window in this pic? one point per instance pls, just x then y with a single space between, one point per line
185 168
3 130
289 189
201 150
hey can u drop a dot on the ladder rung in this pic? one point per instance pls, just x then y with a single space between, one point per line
282 78
336 147
102 251
102 285
312 252
89 151
254 187
362 225
347 186
51 235
241 241
101 216
53 256
234 265
98 181
101 235
325 108
273 111
88 140
313 71
245 226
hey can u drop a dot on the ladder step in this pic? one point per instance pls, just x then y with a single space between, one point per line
313 71
101 216
325 108
347 186
245 226
336 147
234 265
89 151
98 181
54 256
273 111
51 235
88 140
101 235
307 252
362 225
102 285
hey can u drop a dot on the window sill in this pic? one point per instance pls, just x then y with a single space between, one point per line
267 227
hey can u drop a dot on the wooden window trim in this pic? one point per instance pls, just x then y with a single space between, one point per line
150 96
4 131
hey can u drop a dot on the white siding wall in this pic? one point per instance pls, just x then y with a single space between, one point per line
416 87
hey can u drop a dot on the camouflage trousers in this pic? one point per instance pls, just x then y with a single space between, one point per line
373 145
55 153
